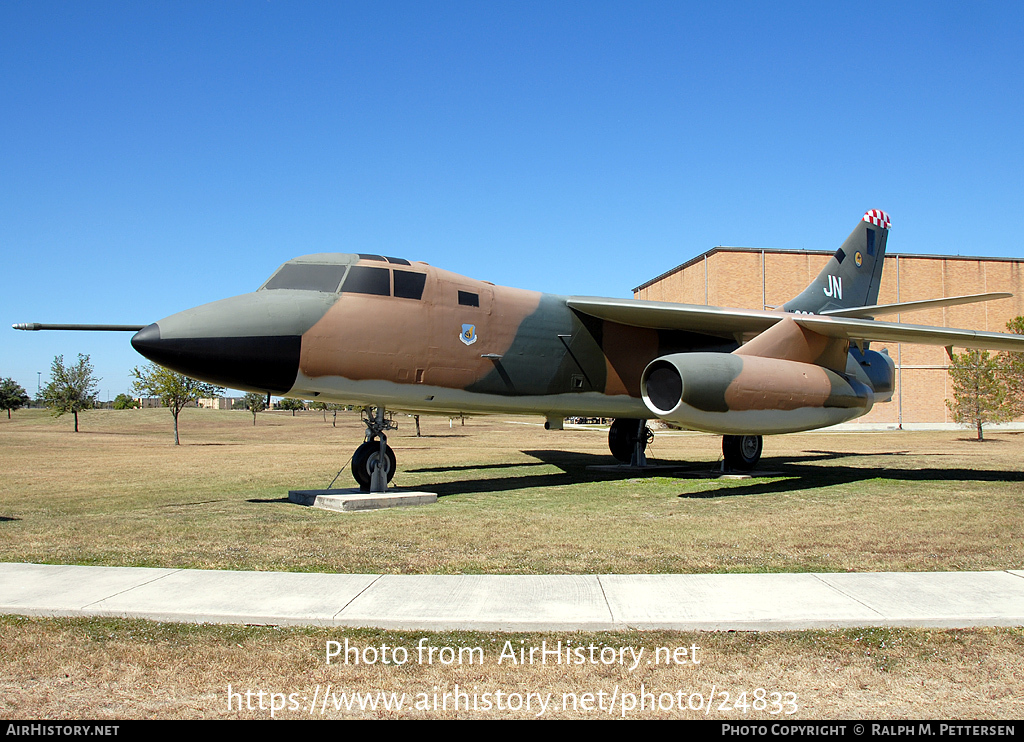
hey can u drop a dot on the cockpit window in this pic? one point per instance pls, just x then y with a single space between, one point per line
409 285
365 279
308 277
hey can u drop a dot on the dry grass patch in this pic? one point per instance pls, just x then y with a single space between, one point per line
514 499
105 669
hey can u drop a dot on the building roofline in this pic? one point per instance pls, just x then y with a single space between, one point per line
791 251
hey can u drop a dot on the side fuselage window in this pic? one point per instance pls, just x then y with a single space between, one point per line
364 279
409 285
469 299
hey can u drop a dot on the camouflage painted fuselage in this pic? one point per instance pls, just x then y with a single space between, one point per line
384 332
413 337
515 350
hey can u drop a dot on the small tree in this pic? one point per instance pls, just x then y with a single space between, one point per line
979 390
70 389
1013 371
174 390
291 404
124 402
334 407
12 396
255 402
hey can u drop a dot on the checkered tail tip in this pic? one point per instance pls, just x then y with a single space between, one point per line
879 218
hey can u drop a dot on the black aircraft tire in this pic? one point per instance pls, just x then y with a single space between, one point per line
622 437
364 461
742 452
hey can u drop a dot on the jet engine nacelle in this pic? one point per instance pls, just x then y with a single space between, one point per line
874 369
750 395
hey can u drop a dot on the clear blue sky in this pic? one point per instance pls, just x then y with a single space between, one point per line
159 155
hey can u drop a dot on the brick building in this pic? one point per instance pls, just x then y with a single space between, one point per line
755 278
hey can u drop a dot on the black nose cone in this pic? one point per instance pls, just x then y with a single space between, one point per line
260 363
146 338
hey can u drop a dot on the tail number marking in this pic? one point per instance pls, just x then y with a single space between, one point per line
835 287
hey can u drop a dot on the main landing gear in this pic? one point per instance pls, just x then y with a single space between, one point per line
741 452
628 440
373 463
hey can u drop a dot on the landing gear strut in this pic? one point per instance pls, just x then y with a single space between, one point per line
741 452
627 439
373 463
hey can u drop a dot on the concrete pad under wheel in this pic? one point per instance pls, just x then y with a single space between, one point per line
353 500
648 469
681 472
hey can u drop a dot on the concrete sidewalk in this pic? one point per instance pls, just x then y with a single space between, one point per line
743 602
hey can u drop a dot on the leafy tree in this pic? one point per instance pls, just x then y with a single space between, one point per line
1013 370
291 404
174 390
979 390
255 402
12 396
124 402
334 407
70 389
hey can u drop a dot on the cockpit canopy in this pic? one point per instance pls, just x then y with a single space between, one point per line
332 272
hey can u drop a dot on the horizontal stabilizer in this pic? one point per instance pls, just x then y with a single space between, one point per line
895 332
915 306
84 328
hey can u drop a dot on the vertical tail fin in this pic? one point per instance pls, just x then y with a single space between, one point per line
851 277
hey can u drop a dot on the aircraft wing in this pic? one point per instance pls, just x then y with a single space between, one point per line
665 315
735 322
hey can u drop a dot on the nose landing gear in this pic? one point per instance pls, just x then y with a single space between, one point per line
374 463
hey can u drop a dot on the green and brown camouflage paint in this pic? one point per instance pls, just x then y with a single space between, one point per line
525 343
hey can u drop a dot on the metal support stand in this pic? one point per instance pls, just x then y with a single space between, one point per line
638 457
376 424
379 479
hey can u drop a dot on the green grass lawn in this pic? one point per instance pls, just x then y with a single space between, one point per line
513 499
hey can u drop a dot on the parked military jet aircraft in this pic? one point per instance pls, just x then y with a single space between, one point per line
383 332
